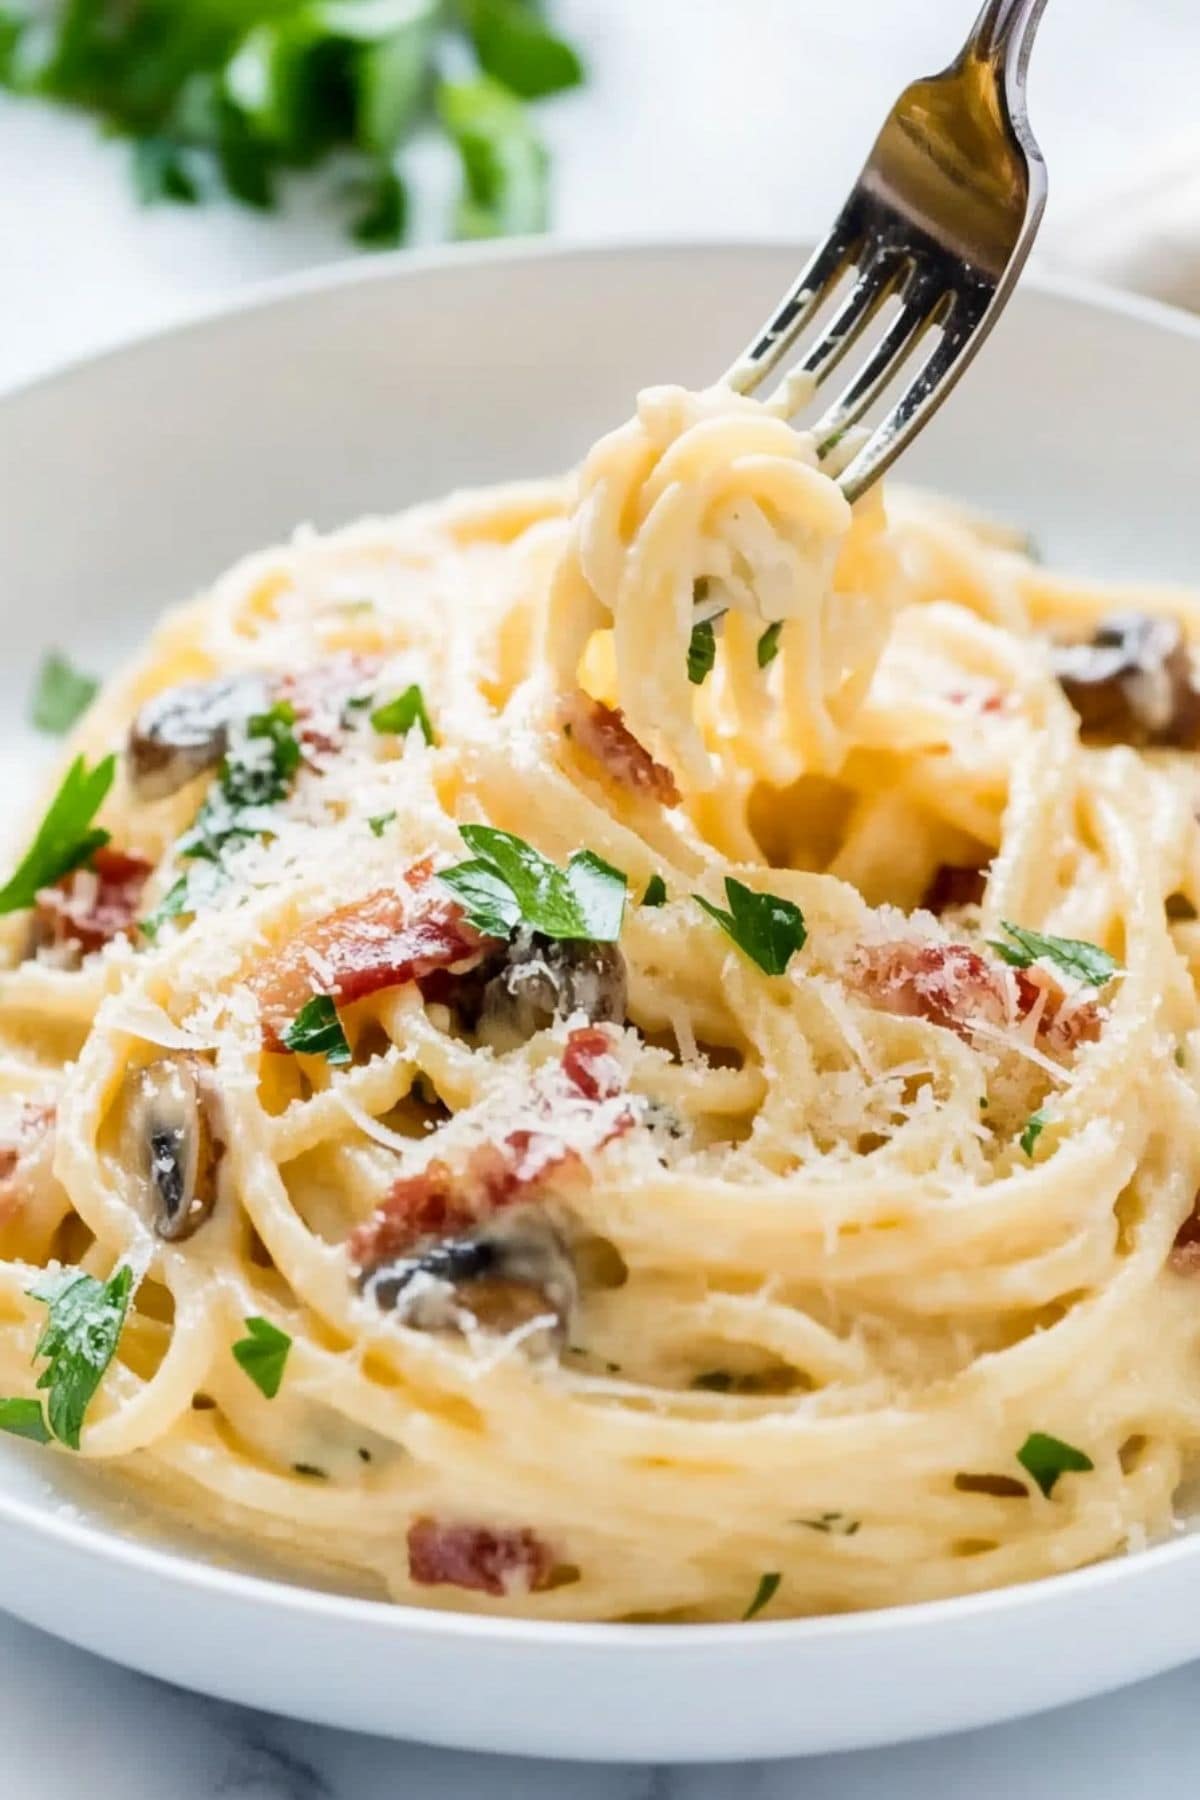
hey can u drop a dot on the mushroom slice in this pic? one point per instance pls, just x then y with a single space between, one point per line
541 980
181 1148
185 730
1132 683
509 1273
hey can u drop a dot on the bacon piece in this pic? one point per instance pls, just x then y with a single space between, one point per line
319 696
1185 1253
383 941
601 731
956 987
990 701
441 1202
954 884
90 907
479 1557
26 1143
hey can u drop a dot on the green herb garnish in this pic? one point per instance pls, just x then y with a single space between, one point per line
194 890
1046 1458
509 883
831 1524
65 838
1034 1127
768 644
379 823
317 1031
263 1355
24 1418
311 1470
400 715
78 1340
62 694
702 652
1074 956
764 1593
768 929
656 892
232 94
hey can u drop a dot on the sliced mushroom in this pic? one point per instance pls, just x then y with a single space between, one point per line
1132 683
182 1150
541 980
508 1273
184 731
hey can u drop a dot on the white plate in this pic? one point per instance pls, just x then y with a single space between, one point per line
128 480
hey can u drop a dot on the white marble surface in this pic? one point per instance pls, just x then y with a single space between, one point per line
703 116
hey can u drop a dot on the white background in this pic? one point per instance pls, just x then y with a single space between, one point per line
702 117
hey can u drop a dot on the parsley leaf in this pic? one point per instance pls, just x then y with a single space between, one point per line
400 715
24 1418
263 1355
767 928
78 1340
515 46
508 882
1046 1458
1074 956
764 1593
702 652
197 888
656 892
1034 1127
62 694
768 644
504 162
383 220
379 822
317 1031
65 838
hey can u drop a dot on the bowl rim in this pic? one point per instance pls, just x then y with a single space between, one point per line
183 1571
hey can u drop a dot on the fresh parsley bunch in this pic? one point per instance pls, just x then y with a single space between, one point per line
230 94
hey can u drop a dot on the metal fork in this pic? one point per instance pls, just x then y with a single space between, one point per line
942 217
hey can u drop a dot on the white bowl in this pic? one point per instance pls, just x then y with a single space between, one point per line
130 479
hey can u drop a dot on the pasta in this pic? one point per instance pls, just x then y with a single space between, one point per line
631 1051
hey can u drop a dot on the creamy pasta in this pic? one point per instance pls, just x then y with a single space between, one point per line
630 1053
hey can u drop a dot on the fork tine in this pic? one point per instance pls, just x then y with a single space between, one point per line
885 275
816 281
929 386
921 304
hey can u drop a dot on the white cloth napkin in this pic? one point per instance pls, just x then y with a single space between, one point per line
1145 235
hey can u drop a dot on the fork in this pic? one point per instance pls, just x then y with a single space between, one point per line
941 218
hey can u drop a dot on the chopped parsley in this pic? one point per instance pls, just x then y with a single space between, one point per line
508 883
379 823
831 1524
1074 956
78 1341
317 1031
197 888
1180 1057
24 1418
400 715
1034 1127
769 930
66 837
311 1470
768 644
656 892
62 694
263 1355
702 652
1046 1458
764 1593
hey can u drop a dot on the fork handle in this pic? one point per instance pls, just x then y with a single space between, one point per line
1004 30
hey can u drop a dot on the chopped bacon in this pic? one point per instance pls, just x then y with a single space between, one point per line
1185 1253
989 701
954 884
601 731
25 1142
90 907
479 1557
383 941
440 1202
319 696
956 987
